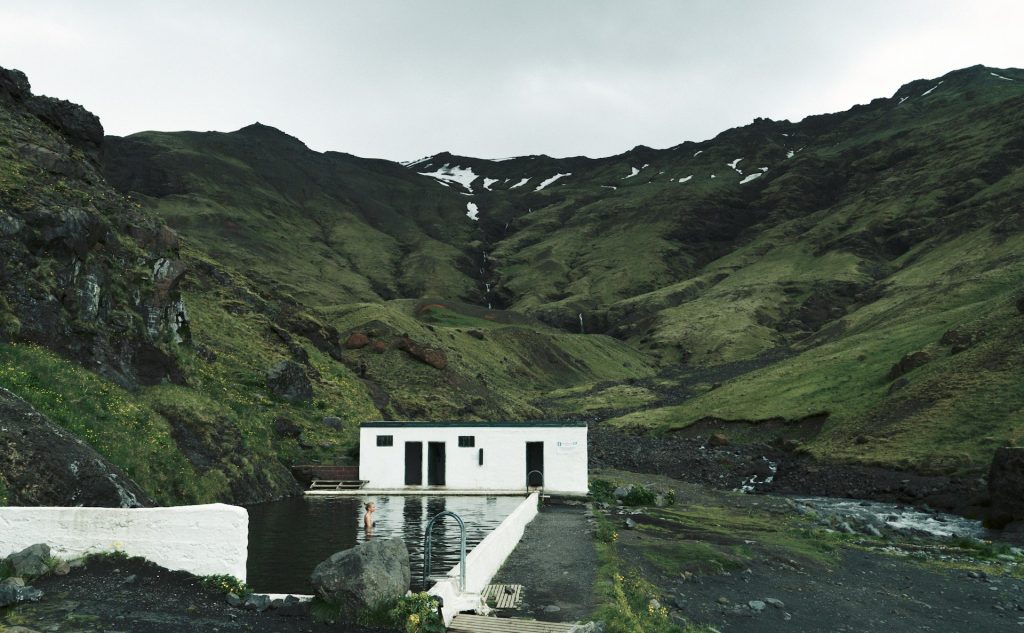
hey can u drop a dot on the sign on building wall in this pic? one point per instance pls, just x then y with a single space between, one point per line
566 447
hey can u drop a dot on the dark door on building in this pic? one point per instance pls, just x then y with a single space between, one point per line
535 464
414 463
435 463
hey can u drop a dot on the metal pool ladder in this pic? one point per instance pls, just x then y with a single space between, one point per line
462 548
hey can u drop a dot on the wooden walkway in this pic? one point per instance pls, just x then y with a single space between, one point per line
465 623
503 596
337 484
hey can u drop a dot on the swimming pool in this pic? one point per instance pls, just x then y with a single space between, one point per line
288 538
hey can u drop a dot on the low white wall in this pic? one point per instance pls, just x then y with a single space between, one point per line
203 540
484 561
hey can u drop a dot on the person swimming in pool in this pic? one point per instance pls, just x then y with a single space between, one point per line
368 521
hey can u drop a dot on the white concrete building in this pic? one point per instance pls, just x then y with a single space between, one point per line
472 457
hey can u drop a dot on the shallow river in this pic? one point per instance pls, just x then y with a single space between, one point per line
898 517
288 538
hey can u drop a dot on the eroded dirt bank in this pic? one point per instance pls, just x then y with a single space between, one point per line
695 459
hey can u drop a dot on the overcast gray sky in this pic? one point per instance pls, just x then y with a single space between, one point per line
402 80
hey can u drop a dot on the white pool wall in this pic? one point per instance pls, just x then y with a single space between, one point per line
484 562
203 540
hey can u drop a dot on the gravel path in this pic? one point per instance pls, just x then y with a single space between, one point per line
556 563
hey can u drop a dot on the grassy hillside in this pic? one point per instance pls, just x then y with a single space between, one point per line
864 268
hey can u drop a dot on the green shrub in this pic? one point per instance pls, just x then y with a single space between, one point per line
225 583
602 490
417 614
639 496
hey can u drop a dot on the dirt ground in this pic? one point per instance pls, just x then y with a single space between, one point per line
136 596
748 563
555 562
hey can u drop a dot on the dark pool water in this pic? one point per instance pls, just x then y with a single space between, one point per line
288 538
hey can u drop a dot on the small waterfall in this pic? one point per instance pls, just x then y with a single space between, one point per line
582 331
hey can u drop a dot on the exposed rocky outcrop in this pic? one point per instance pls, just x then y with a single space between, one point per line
86 272
434 357
41 464
908 363
364 576
1006 486
287 380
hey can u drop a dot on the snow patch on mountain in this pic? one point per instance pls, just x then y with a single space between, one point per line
686 179
488 182
633 171
520 183
410 163
551 180
612 187
733 166
472 211
902 99
1000 77
698 153
463 176
929 91
790 154
753 176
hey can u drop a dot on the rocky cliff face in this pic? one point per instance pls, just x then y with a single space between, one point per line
86 273
41 464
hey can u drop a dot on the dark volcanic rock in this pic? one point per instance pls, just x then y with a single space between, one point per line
365 575
42 464
288 381
14 85
1006 486
81 127
908 363
30 561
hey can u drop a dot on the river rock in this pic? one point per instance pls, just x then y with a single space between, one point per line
30 561
257 602
288 381
13 595
1006 486
756 605
363 576
775 602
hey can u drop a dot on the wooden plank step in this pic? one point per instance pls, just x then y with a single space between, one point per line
467 623
336 484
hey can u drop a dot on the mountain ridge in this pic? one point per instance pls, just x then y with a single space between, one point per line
861 267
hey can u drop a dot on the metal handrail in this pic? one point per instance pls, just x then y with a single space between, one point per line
462 548
539 472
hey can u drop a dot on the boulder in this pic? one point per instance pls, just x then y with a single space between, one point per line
363 576
433 357
284 427
332 422
718 439
1006 486
378 346
13 595
357 340
908 363
30 561
288 381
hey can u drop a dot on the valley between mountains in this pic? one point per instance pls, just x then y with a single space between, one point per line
205 309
